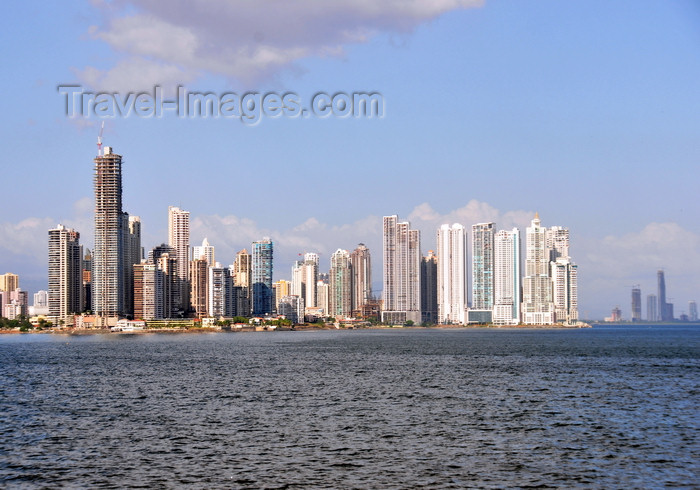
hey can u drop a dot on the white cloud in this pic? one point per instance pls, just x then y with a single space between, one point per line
179 40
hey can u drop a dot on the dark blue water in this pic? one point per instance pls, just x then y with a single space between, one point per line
600 408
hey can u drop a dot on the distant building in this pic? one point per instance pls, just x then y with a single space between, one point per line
323 296
242 277
108 258
401 272
291 306
9 282
482 265
636 304
340 284
452 274
65 272
262 277
361 264
652 303
199 286
537 308
281 288
565 290
507 277
179 240
429 288
204 251
664 309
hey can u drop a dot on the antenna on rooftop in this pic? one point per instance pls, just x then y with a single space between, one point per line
99 140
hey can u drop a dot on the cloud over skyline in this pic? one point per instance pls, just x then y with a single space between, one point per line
179 41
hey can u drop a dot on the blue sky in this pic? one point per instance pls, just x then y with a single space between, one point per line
587 112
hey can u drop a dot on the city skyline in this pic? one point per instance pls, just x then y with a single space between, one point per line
596 97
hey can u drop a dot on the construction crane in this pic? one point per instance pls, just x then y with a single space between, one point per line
99 140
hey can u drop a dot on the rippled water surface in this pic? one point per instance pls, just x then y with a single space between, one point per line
600 408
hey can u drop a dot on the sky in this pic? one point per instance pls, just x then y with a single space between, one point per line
587 112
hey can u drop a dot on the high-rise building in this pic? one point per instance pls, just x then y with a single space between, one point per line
322 296
565 290
507 277
149 297
242 277
262 277
65 272
482 265
310 278
664 309
133 253
652 313
199 285
452 274
537 308
179 239
692 311
41 299
204 251
9 282
361 264
291 306
636 304
401 272
108 275
87 280
281 288
220 295
429 288
340 284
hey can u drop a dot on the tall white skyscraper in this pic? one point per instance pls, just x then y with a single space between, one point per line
452 274
179 239
65 272
565 290
507 274
401 272
538 308
204 251
310 279
482 266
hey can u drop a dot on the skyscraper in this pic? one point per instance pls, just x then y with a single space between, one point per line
636 304
242 277
262 277
179 239
652 313
565 290
65 272
199 286
9 282
537 308
401 272
429 288
108 275
482 266
692 311
452 274
133 253
340 284
664 309
204 251
507 273
361 264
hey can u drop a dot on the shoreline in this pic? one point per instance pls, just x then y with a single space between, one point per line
299 328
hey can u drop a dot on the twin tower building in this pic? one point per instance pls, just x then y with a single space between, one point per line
434 288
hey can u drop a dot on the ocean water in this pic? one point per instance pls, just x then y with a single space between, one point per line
393 408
